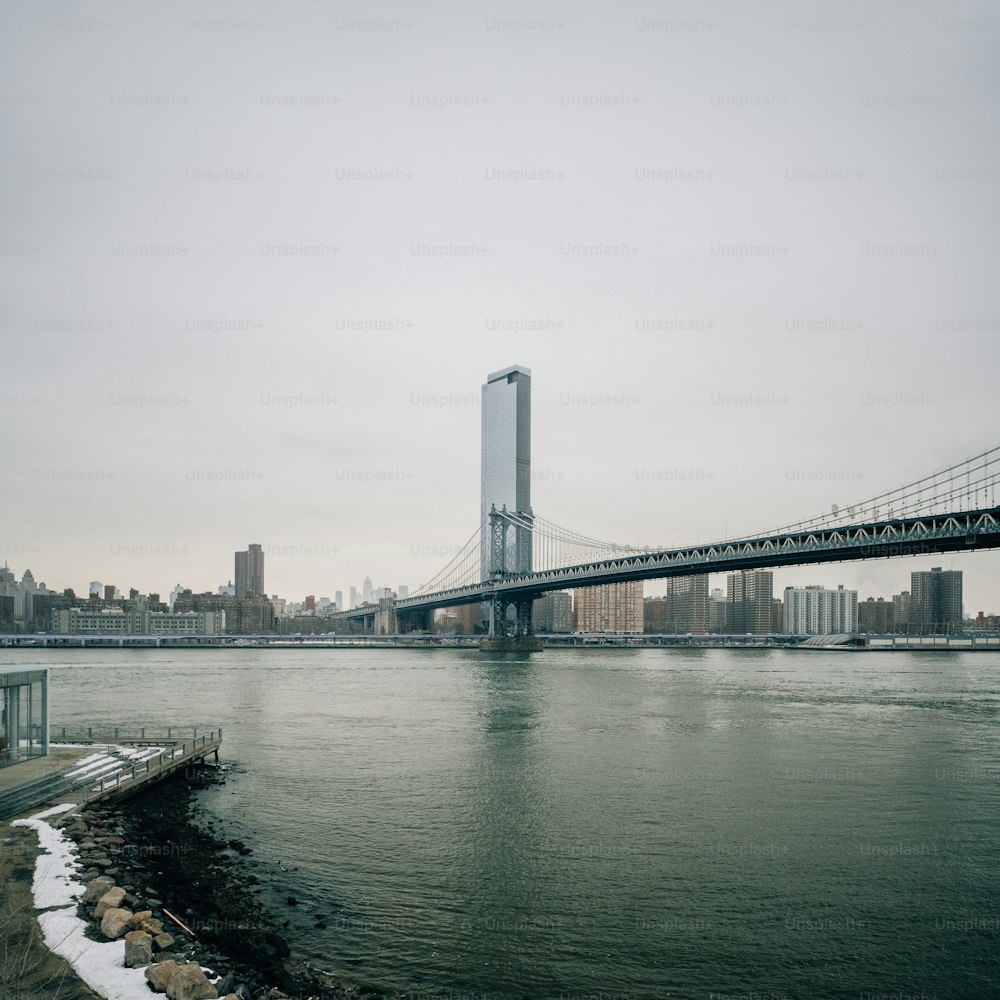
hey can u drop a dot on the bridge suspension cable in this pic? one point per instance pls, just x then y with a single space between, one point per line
972 484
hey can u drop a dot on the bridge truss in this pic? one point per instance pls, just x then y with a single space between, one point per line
955 509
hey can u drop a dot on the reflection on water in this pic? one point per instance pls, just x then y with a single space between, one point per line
637 823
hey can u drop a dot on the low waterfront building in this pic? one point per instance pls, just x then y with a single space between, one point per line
243 616
24 714
111 621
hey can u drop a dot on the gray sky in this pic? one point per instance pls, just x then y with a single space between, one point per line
748 251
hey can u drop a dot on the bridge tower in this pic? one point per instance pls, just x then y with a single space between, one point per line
506 543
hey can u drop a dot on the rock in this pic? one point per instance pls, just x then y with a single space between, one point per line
97 888
131 900
163 942
189 982
109 901
154 904
115 923
224 987
140 916
101 862
153 927
138 949
159 974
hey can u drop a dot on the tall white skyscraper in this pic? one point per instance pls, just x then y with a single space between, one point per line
505 468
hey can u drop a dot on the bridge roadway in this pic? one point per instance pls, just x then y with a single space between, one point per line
930 534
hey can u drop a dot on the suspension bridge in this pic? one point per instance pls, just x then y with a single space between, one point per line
517 556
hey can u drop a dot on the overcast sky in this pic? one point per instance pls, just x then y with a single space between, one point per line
258 258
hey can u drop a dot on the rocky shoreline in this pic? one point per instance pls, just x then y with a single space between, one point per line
179 893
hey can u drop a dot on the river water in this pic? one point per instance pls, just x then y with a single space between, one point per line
713 824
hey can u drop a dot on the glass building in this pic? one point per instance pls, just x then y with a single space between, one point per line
24 715
506 462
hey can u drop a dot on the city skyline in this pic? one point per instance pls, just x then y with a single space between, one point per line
735 315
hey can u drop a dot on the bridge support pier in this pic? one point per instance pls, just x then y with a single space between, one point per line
500 639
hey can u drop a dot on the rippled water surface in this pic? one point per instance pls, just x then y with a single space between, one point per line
631 823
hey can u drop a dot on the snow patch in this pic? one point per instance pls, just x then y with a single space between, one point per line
101 965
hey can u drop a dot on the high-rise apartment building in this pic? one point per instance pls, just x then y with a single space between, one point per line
250 572
936 600
505 468
749 594
609 607
553 612
901 611
876 617
818 611
684 608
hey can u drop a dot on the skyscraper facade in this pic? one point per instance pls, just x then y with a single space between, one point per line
936 600
505 469
250 572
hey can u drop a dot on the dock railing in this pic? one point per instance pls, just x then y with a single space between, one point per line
110 734
130 777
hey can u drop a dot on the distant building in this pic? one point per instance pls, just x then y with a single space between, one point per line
247 616
876 616
404 591
609 607
96 587
354 598
901 611
749 594
114 621
309 604
718 613
685 607
338 599
553 612
505 463
817 611
936 600
367 591
777 615
250 572
468 619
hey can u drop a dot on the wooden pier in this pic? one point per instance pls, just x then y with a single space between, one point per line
129 780
126 770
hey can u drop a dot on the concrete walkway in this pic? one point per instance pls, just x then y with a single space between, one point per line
59 758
